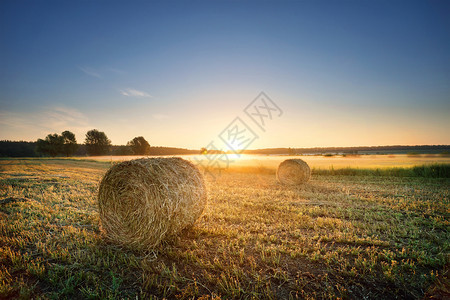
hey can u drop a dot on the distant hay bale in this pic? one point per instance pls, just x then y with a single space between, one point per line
293 171
144 201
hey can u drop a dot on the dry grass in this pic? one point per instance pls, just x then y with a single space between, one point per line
143 201
372 237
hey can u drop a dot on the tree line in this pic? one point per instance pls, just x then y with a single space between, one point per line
96 143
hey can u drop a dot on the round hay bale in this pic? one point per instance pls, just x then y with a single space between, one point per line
293 171
143 201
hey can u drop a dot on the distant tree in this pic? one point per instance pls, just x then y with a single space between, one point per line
139 146
69 143
122 150
52 145
97 143
203 151
17 149
41 146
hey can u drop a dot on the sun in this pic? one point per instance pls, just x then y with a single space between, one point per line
234 152
233 156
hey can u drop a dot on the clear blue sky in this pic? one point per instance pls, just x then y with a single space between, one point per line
345 73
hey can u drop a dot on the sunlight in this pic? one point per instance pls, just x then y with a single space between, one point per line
234 146
233 156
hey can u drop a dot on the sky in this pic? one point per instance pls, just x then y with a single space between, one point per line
179 73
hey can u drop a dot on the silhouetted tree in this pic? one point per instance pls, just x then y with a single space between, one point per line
69 143
52 145
41 146
97 143
139 146
17 149
122 150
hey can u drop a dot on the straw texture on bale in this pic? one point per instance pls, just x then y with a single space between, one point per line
293 171
144 201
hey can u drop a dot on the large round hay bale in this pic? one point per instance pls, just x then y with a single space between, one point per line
293 171
143 201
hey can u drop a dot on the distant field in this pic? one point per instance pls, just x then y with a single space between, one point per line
319 162
360 237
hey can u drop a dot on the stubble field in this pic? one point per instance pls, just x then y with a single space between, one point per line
371 236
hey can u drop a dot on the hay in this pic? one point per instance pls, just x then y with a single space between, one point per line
293 171
144 201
